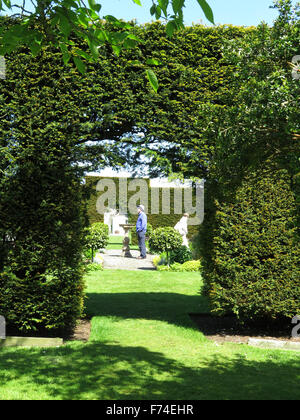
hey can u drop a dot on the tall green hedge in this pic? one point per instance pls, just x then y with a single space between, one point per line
251 250
53 119
41 200
42 219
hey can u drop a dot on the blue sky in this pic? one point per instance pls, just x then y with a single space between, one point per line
235 12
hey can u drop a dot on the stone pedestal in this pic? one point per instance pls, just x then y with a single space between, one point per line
126 248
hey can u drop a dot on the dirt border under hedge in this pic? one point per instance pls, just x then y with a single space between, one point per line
228 329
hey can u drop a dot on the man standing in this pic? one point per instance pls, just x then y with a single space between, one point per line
141 229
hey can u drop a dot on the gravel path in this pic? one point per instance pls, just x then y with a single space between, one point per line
113 260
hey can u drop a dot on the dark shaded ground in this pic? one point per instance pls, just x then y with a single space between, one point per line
81 332
225 329
217 329
228 329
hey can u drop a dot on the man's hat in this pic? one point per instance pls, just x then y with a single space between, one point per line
141 207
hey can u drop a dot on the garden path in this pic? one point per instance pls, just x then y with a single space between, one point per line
112 259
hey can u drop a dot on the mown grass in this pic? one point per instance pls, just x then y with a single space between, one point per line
144 346
116 242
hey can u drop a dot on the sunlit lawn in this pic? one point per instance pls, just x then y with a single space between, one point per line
144 346
116 242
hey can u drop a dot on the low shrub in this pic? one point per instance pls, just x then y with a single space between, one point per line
93 267
165 239
181 255
191 266
52 301
97 237
156 260
149 230
194 265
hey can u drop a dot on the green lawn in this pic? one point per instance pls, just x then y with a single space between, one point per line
116 242
144 346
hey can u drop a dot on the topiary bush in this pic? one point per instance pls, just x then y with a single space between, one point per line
97 236
181 255
251 267
165 239
42 214
53 301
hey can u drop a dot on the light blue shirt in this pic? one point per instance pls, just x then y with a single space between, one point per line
141 224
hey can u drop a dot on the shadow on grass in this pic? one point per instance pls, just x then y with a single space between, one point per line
106 371
169 307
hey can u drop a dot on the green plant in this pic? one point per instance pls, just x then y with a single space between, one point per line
93 267
149 230
97 237
156 259
53 301
251 249
191 266
165 240
181 255
41 212
67 19
188 266
87 254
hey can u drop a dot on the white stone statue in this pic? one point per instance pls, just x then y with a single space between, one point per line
182 228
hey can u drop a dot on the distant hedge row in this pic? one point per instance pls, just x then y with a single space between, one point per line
156 220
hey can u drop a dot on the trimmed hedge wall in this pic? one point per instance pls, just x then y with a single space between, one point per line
65 119
250 249
156 220
53 302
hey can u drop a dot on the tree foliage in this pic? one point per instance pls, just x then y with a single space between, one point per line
261 118
96 237
110 115
250 237
56 22
165 239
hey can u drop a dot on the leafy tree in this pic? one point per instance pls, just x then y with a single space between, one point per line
261 116
165 239
56 22
96 237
